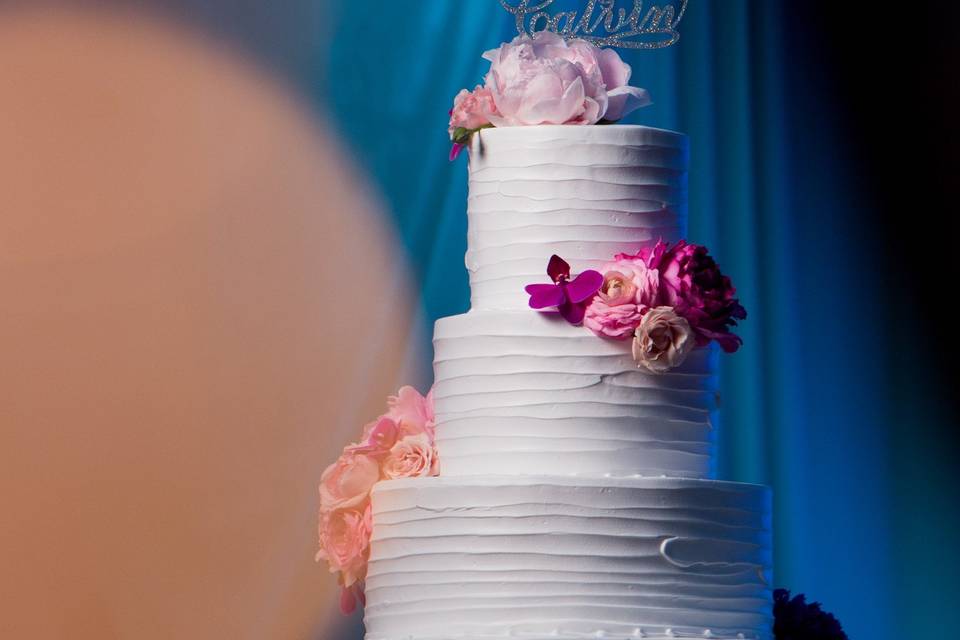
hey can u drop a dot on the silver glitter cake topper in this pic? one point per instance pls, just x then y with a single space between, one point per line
611 27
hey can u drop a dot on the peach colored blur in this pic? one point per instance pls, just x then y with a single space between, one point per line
187 335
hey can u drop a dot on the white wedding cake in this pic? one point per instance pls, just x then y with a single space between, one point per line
557 482
576 496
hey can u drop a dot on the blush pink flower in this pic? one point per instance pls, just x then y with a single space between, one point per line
412 411
378 437
471 109
621 97
395 445
347 482
613 321
627 292
412 457
548 80
345 542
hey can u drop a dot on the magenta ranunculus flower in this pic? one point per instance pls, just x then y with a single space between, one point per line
691 282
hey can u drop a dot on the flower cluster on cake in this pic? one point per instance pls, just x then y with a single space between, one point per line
398 444
545 79
665 298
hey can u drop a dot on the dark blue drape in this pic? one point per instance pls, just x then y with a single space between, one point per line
810 404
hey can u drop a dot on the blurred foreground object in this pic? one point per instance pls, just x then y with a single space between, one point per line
187 331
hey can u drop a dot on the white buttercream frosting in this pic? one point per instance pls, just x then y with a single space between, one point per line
561 557
584 193
524 392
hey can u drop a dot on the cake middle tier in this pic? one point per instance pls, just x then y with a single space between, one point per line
525 393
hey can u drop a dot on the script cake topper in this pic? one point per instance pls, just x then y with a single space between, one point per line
655 29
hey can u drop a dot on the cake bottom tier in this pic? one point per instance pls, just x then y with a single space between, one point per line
482 557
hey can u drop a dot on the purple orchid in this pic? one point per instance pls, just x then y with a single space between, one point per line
570 297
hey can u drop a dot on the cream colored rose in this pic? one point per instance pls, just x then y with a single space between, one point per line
412 456
662 341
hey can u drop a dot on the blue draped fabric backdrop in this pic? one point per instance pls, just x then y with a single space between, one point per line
811 405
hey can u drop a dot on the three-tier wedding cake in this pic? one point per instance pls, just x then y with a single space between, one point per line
558 481
575 499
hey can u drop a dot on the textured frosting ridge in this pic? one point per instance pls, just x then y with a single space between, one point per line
560 557
585 193
526 393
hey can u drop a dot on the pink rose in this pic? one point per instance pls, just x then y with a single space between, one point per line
547 80
412 456
471 109
412 412
347 482
345 542
663 340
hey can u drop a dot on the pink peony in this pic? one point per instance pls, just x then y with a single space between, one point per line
547 80
621 97
347 482
345 542
663 340
471 110
691 283
412 456
412 412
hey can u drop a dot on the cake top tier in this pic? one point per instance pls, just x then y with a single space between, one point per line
583 192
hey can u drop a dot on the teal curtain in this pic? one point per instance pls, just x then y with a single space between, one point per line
811 405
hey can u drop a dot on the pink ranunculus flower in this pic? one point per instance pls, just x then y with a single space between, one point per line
629 289
412 411
472 109
411 457
663 340
345 542
646 281
347 482
618 287
547 80
692 283
613 321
